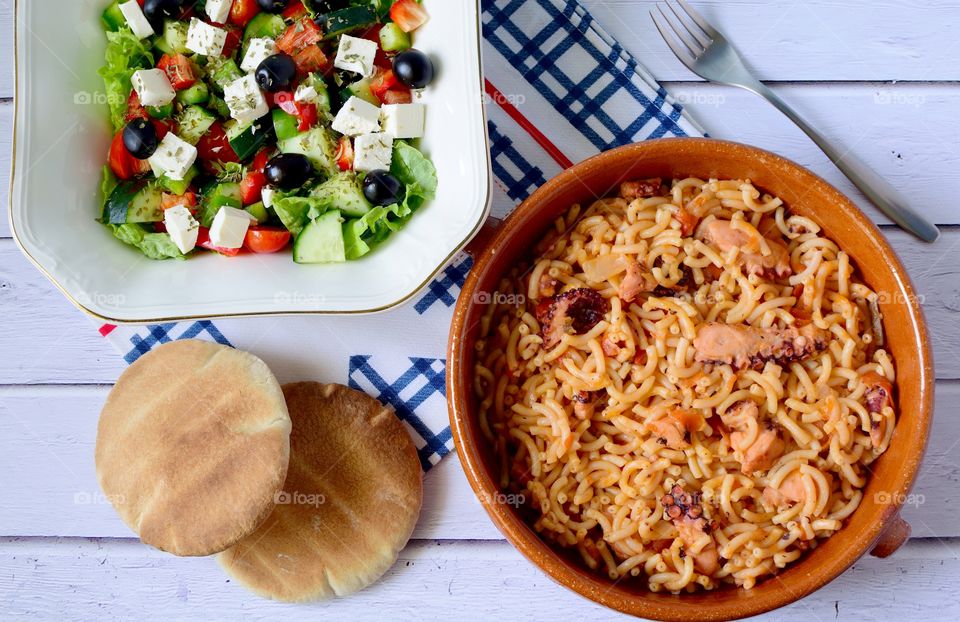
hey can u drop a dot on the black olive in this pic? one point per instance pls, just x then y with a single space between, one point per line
288 171
140 139
413 68
382 188
272 6
157 10
276 73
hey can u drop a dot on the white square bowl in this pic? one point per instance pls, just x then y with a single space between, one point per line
62 134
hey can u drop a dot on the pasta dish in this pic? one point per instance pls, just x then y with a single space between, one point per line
686 385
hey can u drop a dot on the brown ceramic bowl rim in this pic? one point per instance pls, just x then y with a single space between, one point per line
578 578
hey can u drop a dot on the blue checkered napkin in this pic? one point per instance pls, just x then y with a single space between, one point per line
561 90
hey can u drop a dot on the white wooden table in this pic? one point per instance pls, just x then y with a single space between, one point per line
880 76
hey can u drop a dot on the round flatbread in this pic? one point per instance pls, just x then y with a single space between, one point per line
193 446
351 500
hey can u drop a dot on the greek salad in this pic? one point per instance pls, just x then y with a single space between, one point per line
253 126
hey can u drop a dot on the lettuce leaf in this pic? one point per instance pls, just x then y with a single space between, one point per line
125 54
156 246
296 212
419 176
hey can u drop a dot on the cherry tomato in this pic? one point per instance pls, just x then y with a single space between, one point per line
215 147
188 199
344 155
294 11
397 96
381 59
308 115
260 160
251 187
408 14
385 81
266 239
234 39
312 59
243 11
134 109
122 163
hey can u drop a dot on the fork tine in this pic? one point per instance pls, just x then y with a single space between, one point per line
681 32
671 42
699 19
694 31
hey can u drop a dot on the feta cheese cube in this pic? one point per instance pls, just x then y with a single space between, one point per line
357 117
258 50
229 227
173 157
306 94
403 120
373 152
267 195
245 99
136 19
202 38
219 10
153 87
182 227
356 55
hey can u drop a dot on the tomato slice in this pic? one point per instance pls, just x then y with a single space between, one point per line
122 162
381 59
251 187
243 11
312 59
234 39
266 239
408 14
203 241
344 155
299 36
308 115
188 199
135 109
215 147
294 11
397 96
179 70
260 160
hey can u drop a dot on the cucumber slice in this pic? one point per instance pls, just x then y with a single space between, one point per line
133 202
258 211
321 241
226 73
218 106
264 25
178 186
318 145
247 140
361 89
346 20
174 37
342 193
161 112
285 125
113 18
394 39
194 122
199 93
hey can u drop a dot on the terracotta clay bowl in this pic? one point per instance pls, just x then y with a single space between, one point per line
876 525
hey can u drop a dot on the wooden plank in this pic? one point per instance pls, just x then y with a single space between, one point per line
810 40
50 435
96 579
56 344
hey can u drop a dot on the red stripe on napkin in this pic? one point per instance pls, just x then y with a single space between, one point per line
106 329
538 136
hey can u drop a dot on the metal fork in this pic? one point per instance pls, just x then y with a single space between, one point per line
707 53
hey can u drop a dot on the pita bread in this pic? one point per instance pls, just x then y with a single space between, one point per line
193 446
351 500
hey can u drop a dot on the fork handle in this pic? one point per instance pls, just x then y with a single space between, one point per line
877 189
